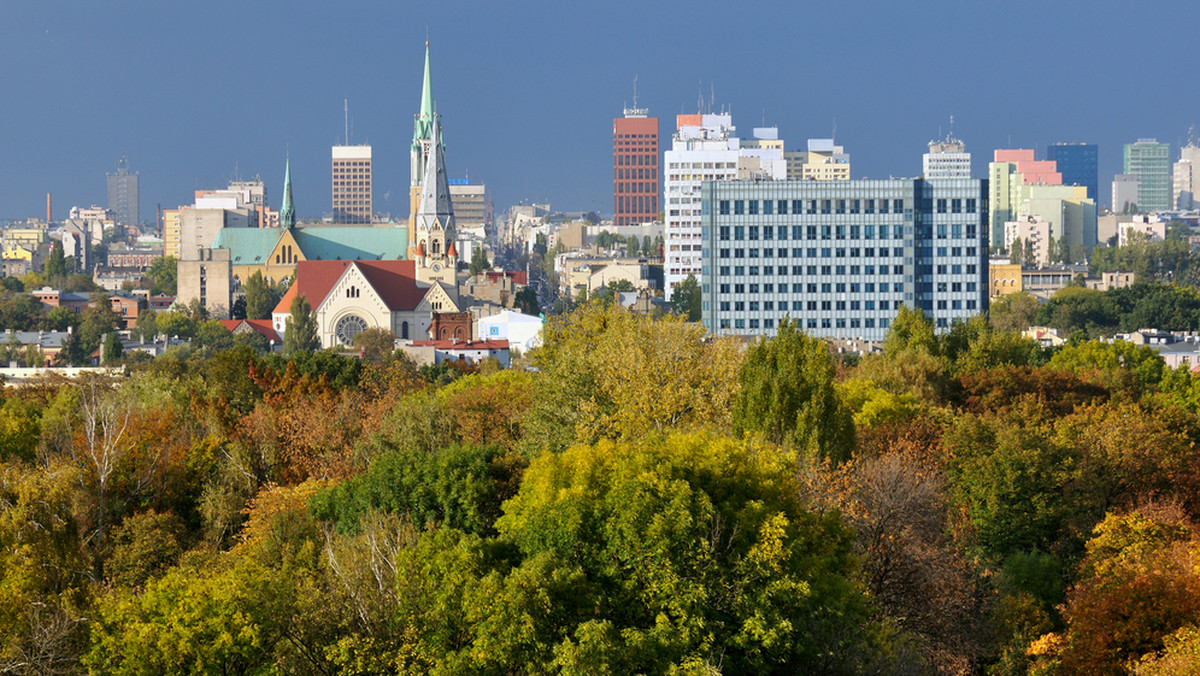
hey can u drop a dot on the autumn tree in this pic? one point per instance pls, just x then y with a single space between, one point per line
786 393
261 297
685 299
375 344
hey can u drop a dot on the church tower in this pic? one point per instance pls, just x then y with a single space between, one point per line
287 212
431 215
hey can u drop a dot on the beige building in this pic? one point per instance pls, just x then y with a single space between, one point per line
1034 234
1149 226
823 161
470 206
199 225
1004 277
352 184
207 276
171 241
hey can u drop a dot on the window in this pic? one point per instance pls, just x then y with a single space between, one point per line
739 207
941 206
970 205
897 206
753 232
883 206
768 231
797 305
826 206
956 206
841 206
941 230
811 232
739 270
753 207
723 207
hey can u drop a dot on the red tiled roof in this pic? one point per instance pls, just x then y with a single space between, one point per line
394 281
518 277
462 344
230 324
262 326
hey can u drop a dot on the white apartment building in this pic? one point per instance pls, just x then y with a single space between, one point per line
705 148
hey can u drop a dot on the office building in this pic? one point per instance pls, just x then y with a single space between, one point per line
352 198
470 204
946 159
123 194
635 167
1186 177
703 148
841 257
1078 163
1150 162
1023 189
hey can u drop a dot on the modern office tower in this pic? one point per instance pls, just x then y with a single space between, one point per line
823 161
1124 193
1150 162
123 193
1078 163
841 257
704 148
635 167
352 184
1186 177
946 159
470 204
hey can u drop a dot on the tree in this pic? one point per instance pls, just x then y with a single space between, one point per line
631 246
685 299
56 262
300 332
479 261
526 301
163 274
376 344
786 393
648 249
261 297
1013 312
112 349
1016 251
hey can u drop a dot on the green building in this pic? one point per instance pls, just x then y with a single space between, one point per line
1150 162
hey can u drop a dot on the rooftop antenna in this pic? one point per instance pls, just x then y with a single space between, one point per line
346 105
635 91
834 136
951 134
700 98
712 97
1192 135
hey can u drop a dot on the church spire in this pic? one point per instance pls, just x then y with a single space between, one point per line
287 212
423 125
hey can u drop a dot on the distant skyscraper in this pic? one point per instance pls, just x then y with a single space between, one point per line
946 159
1150 162
1078 163
123 193
352 200
1186 176
635 167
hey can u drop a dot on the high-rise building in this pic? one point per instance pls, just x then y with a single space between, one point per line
1150 162
1186 177
841 257
704 148
470 204
1078 163
123 193
1022 188
946 159
352 199
635 167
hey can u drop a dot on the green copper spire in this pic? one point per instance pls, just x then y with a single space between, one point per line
287 212
424 119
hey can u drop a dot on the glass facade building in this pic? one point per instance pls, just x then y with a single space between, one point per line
1079 165
841 257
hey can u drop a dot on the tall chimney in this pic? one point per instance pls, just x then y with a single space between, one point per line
49 220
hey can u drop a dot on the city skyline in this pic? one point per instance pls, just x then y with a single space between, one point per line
191 96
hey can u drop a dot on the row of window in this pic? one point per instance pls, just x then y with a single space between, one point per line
754 233
839 287
638 160
833 305
798 270
842 252
811 323
834 206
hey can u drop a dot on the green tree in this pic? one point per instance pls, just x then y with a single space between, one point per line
1013 312
56 262
261 297
685 299
300 332
526 301
648 247
1016 252
112 349
163 274
376 344
479 261
786 393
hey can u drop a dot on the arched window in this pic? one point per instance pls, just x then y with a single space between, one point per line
404 330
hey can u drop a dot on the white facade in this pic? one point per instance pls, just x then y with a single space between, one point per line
708 151
946 159
1124 191
521 330
1186 177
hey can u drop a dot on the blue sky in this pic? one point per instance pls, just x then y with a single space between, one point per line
528 90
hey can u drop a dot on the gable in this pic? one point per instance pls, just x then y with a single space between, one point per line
286 251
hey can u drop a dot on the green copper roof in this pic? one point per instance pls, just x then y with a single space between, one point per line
329 243
287 212
424 121
248 246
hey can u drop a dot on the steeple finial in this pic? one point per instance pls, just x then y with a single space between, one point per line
287 212
425 118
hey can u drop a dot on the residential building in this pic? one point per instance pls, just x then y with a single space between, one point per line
635 167
171 233
1186 178
704 148
823 161
841 257
352 197
123 194
437 351
1078 163
1150 162
1036 235
1022 188
1124 193
946 159
1148 227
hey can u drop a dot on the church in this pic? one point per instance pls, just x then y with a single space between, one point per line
416 298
